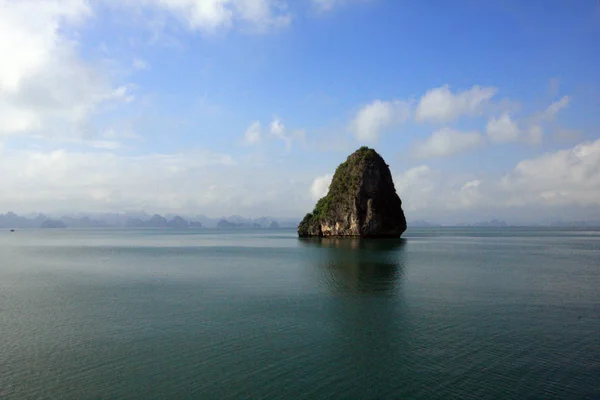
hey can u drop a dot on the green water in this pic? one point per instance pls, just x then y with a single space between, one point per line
446 313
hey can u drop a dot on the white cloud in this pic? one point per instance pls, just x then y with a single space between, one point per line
566 180
374 118
448 141
553 109
320 186
469 195
29 35
44 85
277 128
410 177
253 134
210 16
441 105
565 177
429 193
416 188
503 129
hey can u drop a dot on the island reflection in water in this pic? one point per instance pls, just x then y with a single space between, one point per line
351 265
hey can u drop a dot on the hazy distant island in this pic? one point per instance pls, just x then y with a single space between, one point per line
361 202
52 224
234 225
494 223
237 222
140 220
158 221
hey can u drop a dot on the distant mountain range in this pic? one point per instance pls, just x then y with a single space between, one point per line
142 219
11 220
158 221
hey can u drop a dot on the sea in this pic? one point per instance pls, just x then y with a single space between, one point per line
444 313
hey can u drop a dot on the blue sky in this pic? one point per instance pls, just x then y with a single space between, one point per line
482 109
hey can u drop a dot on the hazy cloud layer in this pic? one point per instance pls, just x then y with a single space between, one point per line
201 180
565 178
191 182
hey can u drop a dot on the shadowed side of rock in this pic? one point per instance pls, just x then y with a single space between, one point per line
361 202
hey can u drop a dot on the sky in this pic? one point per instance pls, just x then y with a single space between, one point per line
482 108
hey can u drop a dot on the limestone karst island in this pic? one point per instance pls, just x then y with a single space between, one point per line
361 202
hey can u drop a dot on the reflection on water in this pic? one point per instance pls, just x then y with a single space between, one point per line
371 331
359 265
381 245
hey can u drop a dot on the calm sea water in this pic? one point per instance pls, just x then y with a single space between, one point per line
459 313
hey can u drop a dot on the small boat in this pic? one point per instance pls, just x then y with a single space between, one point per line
12 230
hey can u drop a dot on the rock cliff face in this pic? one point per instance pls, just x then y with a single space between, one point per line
362 201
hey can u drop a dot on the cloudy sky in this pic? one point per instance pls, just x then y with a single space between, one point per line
482 109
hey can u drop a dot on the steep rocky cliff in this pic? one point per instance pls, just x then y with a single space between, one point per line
362 201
